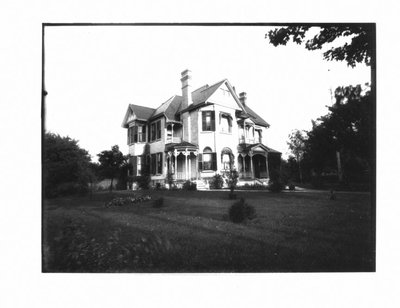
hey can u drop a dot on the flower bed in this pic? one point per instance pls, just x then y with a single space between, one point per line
120 201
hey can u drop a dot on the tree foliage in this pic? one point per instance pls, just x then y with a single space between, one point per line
296 145
65 166
359 50
346 129
111 163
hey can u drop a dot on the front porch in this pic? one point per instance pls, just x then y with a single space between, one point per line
182 161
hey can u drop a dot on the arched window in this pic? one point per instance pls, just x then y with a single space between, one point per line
207 160
227 158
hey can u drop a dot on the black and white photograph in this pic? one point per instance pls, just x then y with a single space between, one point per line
217 153
189 148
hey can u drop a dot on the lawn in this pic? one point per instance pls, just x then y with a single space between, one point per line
191 232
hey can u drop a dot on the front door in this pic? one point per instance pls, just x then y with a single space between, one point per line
259 166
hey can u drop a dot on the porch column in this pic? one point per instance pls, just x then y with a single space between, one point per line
251 166
266 163
186 164
176 164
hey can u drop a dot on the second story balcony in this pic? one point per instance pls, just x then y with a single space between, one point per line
250 140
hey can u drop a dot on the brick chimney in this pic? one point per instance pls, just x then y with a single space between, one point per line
186 88
243 98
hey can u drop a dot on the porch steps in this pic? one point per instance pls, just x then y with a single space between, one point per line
201 185
263 182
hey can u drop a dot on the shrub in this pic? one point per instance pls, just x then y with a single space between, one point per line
217 182
170 180
275 186
292 187
188 185
240 210
158 202
143 181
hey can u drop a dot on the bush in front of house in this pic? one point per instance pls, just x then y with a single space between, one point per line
276 184
216 182
189 185
240 210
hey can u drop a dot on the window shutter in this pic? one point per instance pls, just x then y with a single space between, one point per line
204 120
200 159
214 161
134 165
213 121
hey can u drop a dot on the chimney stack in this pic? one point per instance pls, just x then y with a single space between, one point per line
243 98
186 88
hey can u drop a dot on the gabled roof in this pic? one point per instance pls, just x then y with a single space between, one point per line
255 117
169 108
247 147
173 106
142 112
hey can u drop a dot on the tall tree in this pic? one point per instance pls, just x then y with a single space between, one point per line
111 163
358 50
346 129
65 165
296 145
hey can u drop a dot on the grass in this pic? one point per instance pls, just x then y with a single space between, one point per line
191 232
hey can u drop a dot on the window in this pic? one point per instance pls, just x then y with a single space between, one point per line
225 121
159 163
136 133
259 135
139 165
155 131
156 163
153 164
208 160
158 124
208 120
141 133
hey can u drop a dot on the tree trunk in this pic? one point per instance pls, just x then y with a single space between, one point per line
111 185
300 172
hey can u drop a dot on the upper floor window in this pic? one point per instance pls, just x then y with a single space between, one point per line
136 133
208 118
225 123
155 131
259 135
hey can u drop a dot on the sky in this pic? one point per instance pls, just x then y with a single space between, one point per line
93 73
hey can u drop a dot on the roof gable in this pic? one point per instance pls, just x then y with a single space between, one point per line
137 112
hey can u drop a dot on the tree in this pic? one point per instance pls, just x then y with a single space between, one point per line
346 129
359 50
65 166
111 163
296 145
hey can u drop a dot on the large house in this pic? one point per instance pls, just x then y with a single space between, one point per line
200 133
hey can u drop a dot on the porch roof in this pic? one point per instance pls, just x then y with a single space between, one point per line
180 146
245 148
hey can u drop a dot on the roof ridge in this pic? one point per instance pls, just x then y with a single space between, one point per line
221 81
